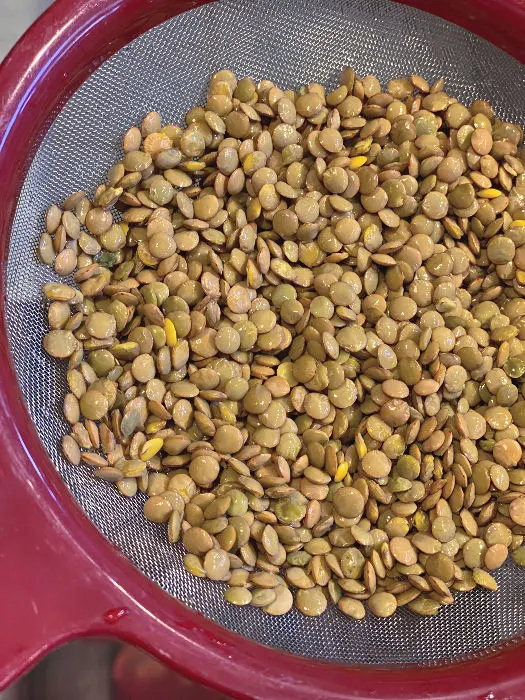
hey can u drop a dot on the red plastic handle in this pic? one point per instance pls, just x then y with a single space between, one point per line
50 591
42 594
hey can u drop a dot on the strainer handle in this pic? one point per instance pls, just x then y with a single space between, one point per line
50 590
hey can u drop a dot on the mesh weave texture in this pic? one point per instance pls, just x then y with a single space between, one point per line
167 69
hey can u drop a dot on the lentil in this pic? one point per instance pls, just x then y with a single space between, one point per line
306 346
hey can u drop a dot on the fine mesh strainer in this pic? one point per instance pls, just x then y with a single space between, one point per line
60 577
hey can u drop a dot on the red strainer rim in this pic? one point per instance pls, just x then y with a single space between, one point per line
60 578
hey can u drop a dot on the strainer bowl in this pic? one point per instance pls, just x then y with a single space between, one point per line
61 578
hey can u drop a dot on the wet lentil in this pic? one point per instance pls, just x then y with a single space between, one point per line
306 349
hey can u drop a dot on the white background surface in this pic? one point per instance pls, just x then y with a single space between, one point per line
16 16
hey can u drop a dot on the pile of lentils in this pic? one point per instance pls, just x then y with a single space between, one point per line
297 324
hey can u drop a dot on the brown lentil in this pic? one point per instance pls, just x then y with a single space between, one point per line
306 347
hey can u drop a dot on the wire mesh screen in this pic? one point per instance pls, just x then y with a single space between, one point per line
166 69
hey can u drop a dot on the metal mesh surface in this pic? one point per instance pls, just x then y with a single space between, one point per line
166 69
